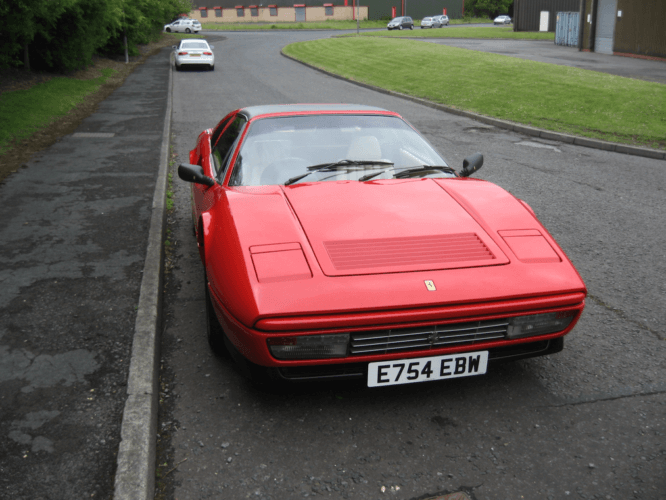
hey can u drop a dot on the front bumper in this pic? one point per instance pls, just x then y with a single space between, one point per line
252 343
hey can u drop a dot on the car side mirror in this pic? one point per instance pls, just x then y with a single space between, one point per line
471 164
195 174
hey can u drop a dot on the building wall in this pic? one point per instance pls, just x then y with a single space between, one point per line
642 28
284 14
527 13
375 9
379 9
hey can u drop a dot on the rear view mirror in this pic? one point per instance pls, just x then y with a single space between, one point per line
471 164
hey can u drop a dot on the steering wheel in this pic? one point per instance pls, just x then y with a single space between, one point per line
283 169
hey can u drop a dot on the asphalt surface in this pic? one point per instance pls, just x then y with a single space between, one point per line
548 52
73 241
73 236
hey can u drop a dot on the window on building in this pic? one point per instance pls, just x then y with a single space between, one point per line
254 11
273 10
218 11
240 11
203 11
328 9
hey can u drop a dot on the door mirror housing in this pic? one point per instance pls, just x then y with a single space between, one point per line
195 174
471 164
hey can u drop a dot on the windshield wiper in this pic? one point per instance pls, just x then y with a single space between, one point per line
415 171
338 165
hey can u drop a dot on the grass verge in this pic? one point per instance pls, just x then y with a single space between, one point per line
548 96
23 112
27 127
462 32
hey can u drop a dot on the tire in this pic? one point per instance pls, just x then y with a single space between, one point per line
214 332
188 30
212 67
401 27
411 27
262 377
177 67
168 30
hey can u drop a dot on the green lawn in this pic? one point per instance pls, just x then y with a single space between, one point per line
22 112
465 32
548 96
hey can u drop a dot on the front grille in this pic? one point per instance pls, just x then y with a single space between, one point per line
427 337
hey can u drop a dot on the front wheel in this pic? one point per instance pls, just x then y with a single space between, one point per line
401 27
188 30
411 27
168 30
214 332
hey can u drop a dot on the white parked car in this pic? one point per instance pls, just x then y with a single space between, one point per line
183 26
426 22
194 52
502 20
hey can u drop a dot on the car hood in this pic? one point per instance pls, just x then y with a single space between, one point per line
387 227
338 247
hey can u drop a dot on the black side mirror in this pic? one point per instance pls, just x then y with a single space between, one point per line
471 164
195 174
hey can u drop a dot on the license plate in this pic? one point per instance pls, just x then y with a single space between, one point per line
195 55
410 371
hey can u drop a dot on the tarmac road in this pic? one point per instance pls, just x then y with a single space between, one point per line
586 423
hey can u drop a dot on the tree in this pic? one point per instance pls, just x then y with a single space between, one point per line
487 8
63 35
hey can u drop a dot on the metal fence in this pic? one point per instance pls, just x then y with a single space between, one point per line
566 28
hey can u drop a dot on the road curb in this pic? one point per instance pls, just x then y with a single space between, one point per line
504 124
135 466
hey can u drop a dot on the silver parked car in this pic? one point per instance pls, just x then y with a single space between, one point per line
439 21
502 20
426 22
183 26
194 52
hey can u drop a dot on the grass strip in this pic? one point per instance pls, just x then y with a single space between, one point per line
461 32
548 96
23 112
323 25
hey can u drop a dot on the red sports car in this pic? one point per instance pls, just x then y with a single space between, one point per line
337 242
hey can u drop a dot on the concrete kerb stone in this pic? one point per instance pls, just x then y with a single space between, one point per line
135 471
515 127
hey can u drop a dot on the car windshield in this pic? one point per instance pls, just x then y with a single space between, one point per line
332 148
194 45
396 20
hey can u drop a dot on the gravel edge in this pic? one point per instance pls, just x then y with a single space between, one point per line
515 127
135 472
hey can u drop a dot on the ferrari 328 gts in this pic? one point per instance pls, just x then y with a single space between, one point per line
337 242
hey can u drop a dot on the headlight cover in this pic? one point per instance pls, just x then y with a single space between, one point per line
539 324
309 346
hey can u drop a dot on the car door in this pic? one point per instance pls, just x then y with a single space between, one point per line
215 159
